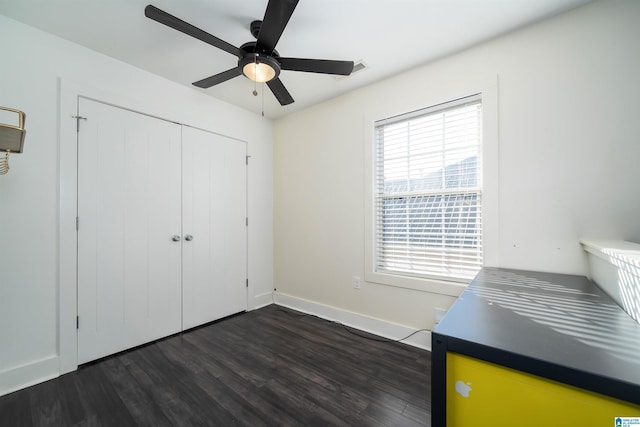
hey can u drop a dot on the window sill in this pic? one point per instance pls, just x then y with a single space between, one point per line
434 286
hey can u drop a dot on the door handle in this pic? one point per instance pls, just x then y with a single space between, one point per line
175 238
188 237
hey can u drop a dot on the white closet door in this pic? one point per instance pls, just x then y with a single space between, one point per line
129 271
214 197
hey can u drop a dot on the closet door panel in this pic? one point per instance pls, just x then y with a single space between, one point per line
129 269
214 213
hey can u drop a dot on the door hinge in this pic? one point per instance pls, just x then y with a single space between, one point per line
77 322
247 283
246 221
247 160
78 118
77 223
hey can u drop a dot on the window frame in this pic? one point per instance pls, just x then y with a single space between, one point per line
488 91
396 205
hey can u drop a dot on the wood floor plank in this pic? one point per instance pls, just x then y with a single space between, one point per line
183 402
99 398
138 400
271 366
417 414
72 409
276 412
244 411
15 409
295 397
47 408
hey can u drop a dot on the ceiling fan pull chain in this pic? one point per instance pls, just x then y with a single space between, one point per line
255 82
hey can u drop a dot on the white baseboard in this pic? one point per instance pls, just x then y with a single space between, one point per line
372 325
24 376
262 300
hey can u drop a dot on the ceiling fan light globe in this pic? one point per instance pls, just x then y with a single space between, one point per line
259 68
259 72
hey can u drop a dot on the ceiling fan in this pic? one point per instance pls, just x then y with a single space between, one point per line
257 60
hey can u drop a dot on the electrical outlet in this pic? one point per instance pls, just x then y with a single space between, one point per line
356 282
440 312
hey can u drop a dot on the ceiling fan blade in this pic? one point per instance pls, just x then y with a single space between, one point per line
280 92
169 20
325 66
218 78
275 20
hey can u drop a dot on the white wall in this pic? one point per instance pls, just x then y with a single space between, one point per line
33 66
569 144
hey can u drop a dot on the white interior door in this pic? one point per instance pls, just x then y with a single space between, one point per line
129 269
214 197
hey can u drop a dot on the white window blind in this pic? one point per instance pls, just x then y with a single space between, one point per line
428 192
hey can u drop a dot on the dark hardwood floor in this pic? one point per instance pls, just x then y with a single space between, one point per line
269 367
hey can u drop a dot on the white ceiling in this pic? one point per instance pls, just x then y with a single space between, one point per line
390 36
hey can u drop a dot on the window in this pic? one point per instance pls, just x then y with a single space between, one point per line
428 192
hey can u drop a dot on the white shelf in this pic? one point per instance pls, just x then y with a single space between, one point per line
614 265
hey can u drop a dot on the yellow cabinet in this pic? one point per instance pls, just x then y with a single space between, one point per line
483 394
